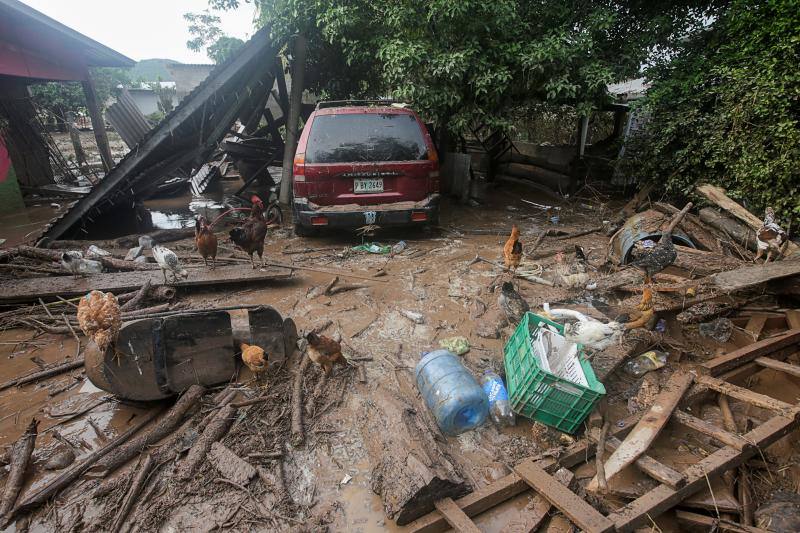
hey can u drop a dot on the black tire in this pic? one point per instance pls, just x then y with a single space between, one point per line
304 231
274 213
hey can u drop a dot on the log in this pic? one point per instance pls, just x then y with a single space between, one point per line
409 470
19 458
158 236
164 427
137 300
648 428
145 466
47 373
740 233
717 196
107 261
298 435
702 263
52 487
214 431
230 465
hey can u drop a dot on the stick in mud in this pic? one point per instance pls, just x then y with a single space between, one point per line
599 459
139 480
215 430
163 428
298 435
140 296
36 376
19 458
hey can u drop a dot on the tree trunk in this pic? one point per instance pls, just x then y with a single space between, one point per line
98 124
75 138
740 233
409 470
293 123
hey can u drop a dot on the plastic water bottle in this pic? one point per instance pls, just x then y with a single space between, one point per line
499 406
455 398
399 247
644 363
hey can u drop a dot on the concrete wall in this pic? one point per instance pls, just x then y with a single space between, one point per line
145 99
187 77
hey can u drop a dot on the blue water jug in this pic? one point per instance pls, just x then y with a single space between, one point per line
455 398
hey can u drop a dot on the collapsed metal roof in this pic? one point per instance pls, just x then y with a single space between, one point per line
186 137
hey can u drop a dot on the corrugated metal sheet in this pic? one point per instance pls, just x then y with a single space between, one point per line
185 137
128 119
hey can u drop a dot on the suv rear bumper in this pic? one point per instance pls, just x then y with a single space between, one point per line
354 216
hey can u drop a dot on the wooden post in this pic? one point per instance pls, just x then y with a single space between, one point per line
98 124
293 123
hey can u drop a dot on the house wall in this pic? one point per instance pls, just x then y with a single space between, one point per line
187 77
145 100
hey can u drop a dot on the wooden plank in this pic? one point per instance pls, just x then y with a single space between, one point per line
725 437
792 370
753 275
663 498
714 524
793 318
646 431
756 325
653 468
539 508
742 394
455 516
574 507
30 290
479 501
739 357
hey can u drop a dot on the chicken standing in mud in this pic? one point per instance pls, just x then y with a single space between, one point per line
324 351
512 250
249 237
205 240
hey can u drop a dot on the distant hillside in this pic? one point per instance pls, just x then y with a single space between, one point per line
152 70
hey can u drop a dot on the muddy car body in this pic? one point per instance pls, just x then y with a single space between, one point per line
364 163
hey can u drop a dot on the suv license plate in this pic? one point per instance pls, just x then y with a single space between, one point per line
368 185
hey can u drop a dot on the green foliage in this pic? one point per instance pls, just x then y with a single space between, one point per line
223 48
725 110
461 60
59 98
204 28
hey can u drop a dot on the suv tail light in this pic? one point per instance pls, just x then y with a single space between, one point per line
432 155
319 221
418 216
299 167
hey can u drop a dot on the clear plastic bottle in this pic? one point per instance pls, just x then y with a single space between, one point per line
644 363
499 406
399 247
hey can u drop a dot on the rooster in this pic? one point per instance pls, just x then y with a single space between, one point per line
512 250
205 240
99 318
249 237
770 237
168 260
254 357
324 351
663 254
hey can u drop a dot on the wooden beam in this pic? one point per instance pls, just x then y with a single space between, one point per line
663 498
573 506
653 468
714 524
455 516
648 428
793 318
539 508
756 325
748 396
792 370
753 275
737 358
701 426
98 123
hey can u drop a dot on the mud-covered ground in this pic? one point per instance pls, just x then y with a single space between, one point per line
326 482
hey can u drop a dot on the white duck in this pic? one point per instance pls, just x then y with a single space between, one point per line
168 260
591 333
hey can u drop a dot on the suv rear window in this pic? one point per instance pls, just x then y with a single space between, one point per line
369 137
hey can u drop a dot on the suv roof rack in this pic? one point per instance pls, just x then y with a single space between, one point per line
344 103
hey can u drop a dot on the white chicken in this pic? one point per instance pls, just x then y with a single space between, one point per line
770 237
168 260
587 331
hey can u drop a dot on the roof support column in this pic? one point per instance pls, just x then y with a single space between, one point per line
98 124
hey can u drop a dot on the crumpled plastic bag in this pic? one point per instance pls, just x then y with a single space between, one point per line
456 345
373 248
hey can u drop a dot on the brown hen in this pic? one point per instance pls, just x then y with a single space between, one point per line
254 357
205 240
324 351
512 250
100 318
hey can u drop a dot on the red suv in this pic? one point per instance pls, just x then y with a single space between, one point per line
360 163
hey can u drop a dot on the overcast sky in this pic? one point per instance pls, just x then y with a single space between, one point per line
143 29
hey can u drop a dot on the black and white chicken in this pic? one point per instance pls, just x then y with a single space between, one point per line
663 254
513 305
770 237
168 260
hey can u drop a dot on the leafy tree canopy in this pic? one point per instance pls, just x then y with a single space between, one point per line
457 60
223 48
725 110
59 98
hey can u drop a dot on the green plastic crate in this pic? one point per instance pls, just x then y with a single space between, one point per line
538 394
